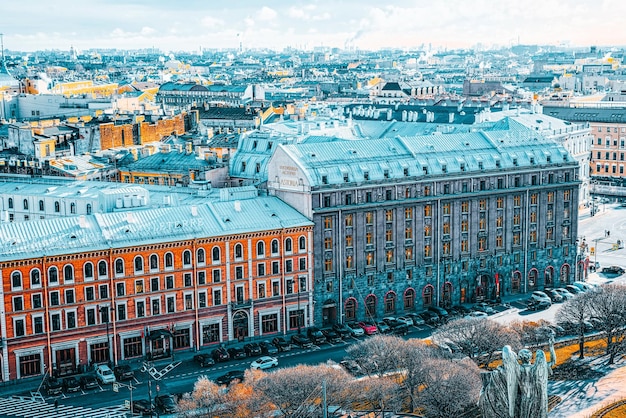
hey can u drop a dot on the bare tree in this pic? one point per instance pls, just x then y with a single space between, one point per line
608 307
377 355
415 356
378 394
532 333
577 311
206 400
478 339
297 391
452 386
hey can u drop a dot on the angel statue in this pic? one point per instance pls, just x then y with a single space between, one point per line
517 388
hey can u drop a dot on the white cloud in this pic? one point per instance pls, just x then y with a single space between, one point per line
211 22
146 30
267 14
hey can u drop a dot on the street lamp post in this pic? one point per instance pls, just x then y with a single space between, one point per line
105 310
299 312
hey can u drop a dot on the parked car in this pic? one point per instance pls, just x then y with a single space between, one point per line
459 310
382 327
220 354
443 314
252 349
566 294
265 362
430 317
573 289
88 382
476 315
143 407
613 270
123 372
70 384
352 367
538 296
398 327
267 348
228 378
407 320
315 335
484 307
104 374
236 353
572 328
417 320
281 344
585 287
538 305
204 360
343 330
553 295
166 404
355 329
301 341
368 327
331 335
53 386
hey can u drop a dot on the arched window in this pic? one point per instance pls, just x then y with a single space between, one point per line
16 280
169 260
516 282
260 249
532 279
119 267
288 243
138 265
238 251
102 269
57 207
186 258
68 273
154 262
350 309
216 255
10 203
565 273
427 295
390 302
549 276
53 275
274 246
35 278
409 299
88 208
200 255
88 270
302 243
41 206
370 307
25 204
72 207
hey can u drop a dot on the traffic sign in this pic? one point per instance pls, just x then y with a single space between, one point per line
127 404
116 387
592 251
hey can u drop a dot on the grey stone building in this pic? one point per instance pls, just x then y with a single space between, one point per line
410 222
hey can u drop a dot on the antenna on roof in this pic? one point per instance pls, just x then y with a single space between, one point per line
2 45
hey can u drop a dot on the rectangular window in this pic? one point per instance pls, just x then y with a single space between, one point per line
202 303
171 304
18 303
260 269
121 312
288 266
169 282
275 267
155 306
55 322
54 299
38 324
20 327
90 314
217 297
238 273
216 276
138 286
120 288
261 290
302 263
36 300
187 279
154 284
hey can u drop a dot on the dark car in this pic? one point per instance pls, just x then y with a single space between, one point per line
166 403
281 344
229 377
70 384
343 330
442 313
143 407
617 270
220 354
236 353
53 386
267 348
204 360
331 335
459 310
315 335
397 327
89 381
538 305
429 317
252 349
123 372
553 295
301 341
352 367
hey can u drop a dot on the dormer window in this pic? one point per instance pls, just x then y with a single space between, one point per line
324 179
532 160
386 174
425 169
346 178
480 165
406 172
444 168
366 175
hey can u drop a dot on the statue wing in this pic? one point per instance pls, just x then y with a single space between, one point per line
541 368
511 371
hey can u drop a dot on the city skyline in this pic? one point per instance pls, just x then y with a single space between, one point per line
364 25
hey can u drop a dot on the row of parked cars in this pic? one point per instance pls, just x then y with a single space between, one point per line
543 299
102 375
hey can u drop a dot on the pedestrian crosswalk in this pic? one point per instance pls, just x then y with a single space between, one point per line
19 407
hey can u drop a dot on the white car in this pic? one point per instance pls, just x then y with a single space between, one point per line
539 296
476 315
355 330
407 320
104 374
265 362
563 292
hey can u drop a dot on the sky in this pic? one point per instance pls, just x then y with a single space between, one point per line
190 25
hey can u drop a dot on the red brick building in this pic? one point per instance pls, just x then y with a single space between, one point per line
139 285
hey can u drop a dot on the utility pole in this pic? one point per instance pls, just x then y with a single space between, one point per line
325 407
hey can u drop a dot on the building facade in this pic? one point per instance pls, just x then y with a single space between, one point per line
410 222
142 285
